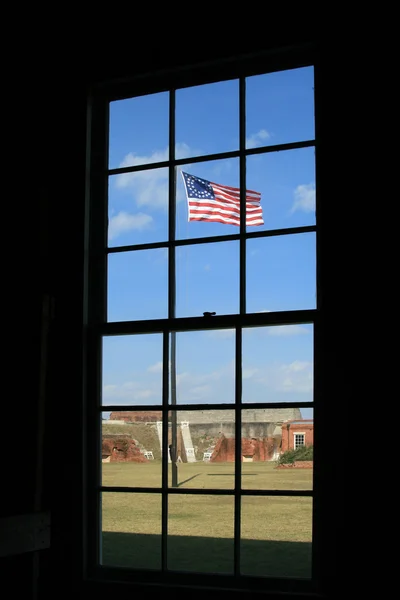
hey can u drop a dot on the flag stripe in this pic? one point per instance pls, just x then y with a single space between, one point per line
235 190
206 204
216 211
235 197
225 198
226 220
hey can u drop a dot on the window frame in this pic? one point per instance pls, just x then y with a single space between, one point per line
96 324
296 433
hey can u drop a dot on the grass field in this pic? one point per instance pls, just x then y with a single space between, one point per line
276 531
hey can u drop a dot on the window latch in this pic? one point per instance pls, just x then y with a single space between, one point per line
209 314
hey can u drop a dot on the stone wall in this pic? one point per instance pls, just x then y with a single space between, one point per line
211 416
257 415
136 416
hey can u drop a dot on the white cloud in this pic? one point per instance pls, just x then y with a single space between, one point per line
124 221
304 198
297 377
214 386
217 386
293 377
257 139
149 188
283 330
299 365
142 394
157 368
109 389
200 392
128 392
223 166
182 377
249 373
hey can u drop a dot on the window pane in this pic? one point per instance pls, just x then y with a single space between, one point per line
204 205
139 130
204 367
200 533
268 443
205 449
207 119
278 364
207 279
281 273
132 369
131 530
138 285
276 536
280 107
131 449
286 182
138 208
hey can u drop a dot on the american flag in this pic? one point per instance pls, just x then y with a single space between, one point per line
209 201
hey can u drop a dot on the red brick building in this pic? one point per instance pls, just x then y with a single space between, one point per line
295 433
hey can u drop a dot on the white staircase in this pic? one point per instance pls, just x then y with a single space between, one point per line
187 440
159 432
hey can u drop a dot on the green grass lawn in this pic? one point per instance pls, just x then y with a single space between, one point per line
275 531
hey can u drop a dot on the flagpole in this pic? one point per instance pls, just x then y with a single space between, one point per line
174 447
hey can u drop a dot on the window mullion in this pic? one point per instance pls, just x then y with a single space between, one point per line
238 448
95 313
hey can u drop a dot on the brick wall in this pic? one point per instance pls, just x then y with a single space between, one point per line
257 450
290 428
121 449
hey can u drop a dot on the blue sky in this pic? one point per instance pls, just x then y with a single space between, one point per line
277 362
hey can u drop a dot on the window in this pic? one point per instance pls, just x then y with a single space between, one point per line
299 440
202 320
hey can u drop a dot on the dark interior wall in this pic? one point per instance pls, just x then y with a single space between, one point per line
46 166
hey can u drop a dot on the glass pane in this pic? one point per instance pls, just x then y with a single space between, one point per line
278 364
281 273
131 448
138 208
139 129
276 536
286 182
280 107
204 367
131 530
200 533
205 449
279 445
207 118
132 369
207 279
207 199
138 285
